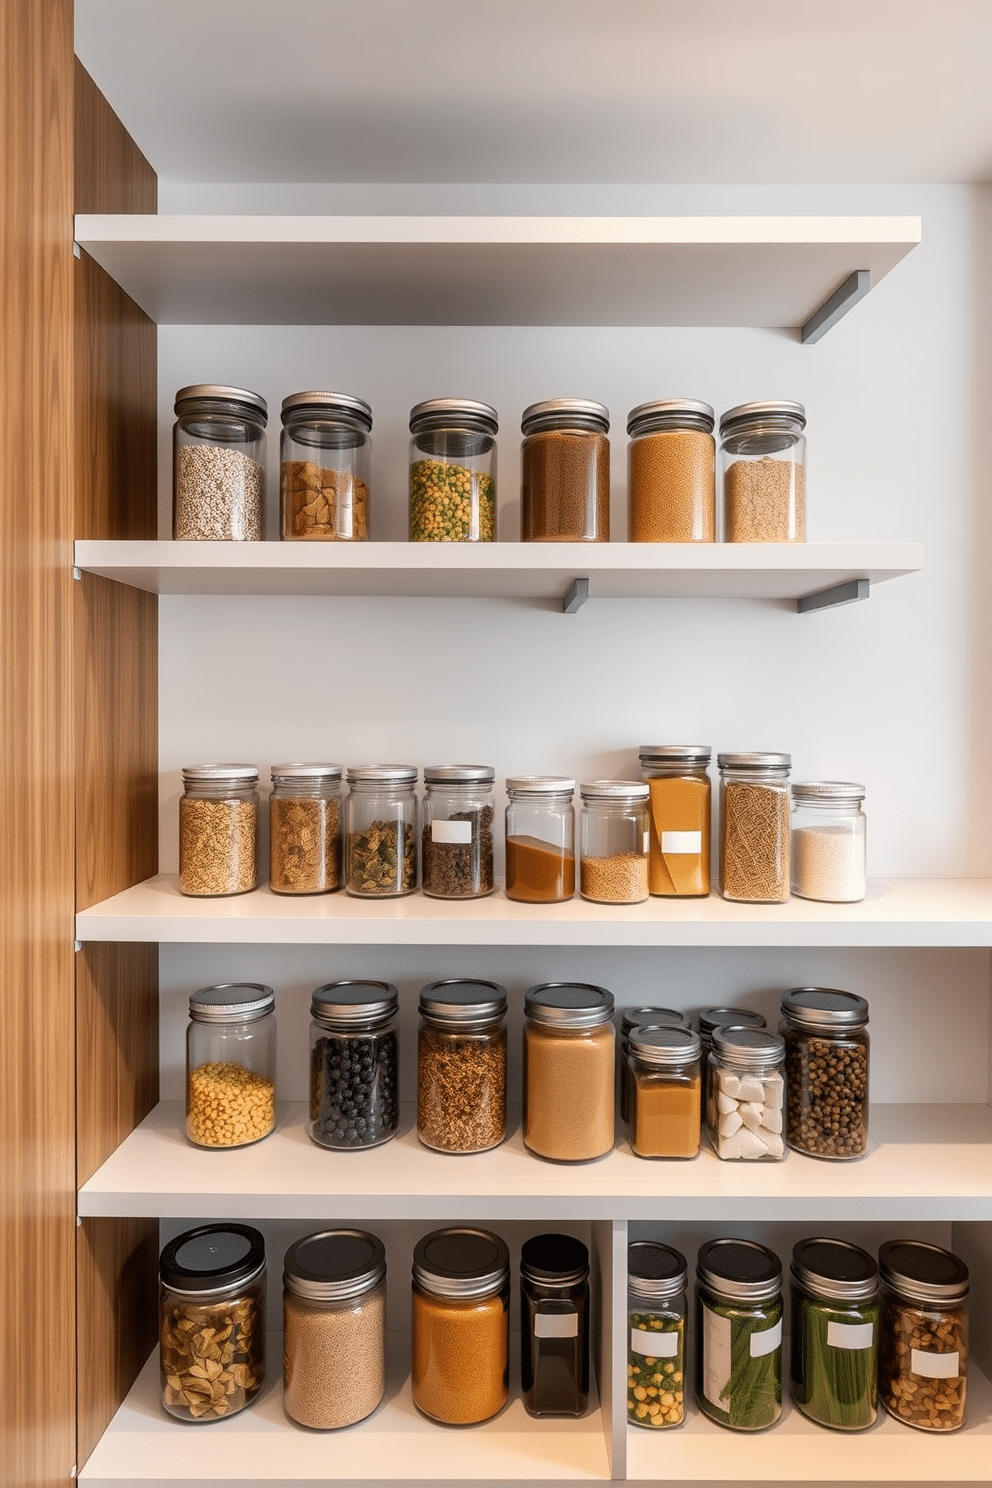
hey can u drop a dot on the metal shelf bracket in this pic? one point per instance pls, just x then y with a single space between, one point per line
838 595
854 288
576 597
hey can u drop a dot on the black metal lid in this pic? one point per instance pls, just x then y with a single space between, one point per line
835 1268
652 1017
728 1017
740 1269
656 1270
554 1258
212 1258
354 1002
334 1264
825 1007
461 1000
461 1262
568 1004
923 1272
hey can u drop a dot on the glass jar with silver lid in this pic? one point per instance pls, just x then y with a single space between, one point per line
747 1117
754 826
461 1066
679 783
763 472
614 840
569 1072
835 1316
739 1334
923 1344
671 476
354 1064
641 1017
453 471
540 839
828 841
380 831
664 1101
461 1336
457 839
231 1064
218 830
565 471
305 829
709 1020
826 1072
218 464
324 468
657 1277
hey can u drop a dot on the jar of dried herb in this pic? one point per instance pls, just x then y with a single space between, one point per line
457 842
671 477
218 830
679 852
923 1342
461 1066
664 1074
835 1314
305 829
826 1072
754 827
565 472
380 831
746 1118
763 473
461 1336
614 836
231 1064
354 1064
641 1017
540 839
324 473
657 1276
739 1334
453 471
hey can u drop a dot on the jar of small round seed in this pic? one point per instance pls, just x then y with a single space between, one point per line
739 1334
305 829
709 1020
218 465
641 1017
826 1072
231 1064
657 1276
565 472
746 1072
461 1066
380 833
453 471
671 463
354 1064
218 830
835 1316
923 1345
569 1071
754 827
828 841
457 842
461 1334
324 471
763 473
614 838
679 782
540 839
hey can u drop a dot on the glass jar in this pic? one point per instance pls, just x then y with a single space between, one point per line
380 841
354 1065
826 1072
305 829
334 1328
671 472
569 1071
218 464
231 1064
614 836
763 473
657 1276
664 1073
828 841
218 830
709 1020
565 472
212 1321
754 827
747 1116
679 785
554 1326
461 1336
457 842
642 1017
453 471
461 1066
325 467
923 1335
835 1315
739 1334
540 839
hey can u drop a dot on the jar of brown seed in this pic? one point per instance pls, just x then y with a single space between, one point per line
461 1066
754 827
218 465
826 1072
565 472
671 472
923 1335
614 838
305 829
460 1343
218 829
763 473
324 468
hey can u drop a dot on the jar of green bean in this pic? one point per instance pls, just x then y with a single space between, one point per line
739 1334
835 1312
656 1308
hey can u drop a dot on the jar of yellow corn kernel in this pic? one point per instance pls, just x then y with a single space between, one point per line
453 471
231 1064
657 1276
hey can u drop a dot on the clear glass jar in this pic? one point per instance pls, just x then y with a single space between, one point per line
679 784
747 1116
231 1064
739 1334
754 827
380 831
826 1072
457 839
540 839
835 1316
569 1071
461 1336
334 1328
461 1066
664 1073
305 829
212 1321
554 1326
641 1017
923 1342
657 1277
671 472
614 837
354 1064
218 464
325 468
709 1020
565 472
763 473
453 471
218 830
828 841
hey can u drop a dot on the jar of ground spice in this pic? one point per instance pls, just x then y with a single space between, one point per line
461 1338
540 839
324 470
657 1276
923 1335
614 837
231 1064
457 841
569 1071
826 1072
747 1117
305 829
565 472
641 1017
763 473
218 829
354 1064
671 478
461 1066
828 841
218 466
664 1109
835 1316
380 832
754 827
453 471
554 1325
679 853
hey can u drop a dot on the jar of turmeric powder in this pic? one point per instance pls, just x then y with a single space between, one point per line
671 464
461 1336
664 1114
679 810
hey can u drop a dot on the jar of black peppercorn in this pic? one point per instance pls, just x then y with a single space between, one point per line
354 1100
565 472
554 1325
461 1066
826 1072
457 847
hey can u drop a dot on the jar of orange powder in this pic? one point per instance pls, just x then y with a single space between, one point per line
679 811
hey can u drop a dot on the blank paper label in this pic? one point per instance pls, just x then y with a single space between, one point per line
556 1325
645 841
716 1357
681 842
850 1335
934 1366
451 831
766 1342
655 1345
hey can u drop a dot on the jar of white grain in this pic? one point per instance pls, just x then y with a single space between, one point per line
828 841
218 464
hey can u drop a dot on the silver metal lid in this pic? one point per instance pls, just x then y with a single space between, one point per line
539 785
674 754
564 413
220 391
568 1004
334 1264
741 1270
461 1262
303 774
835 1269
463 1001
330 403
652 1017
671 413
755 759
739 417
231 1002
728 1017
824 1007
655 1270
458 774
440 413
923 1272
354 1002
220 774
382 774
665 1046
843 792
614 790
743 1047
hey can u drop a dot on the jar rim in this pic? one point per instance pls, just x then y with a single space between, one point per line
461 1262
540 785
568 1004
673 754
218 1004
744 1046
198 391
666 411
614 790
292 773
441 1002
755 759
554 1259
713 1018
438 413
332 403
657 1044
923 1272
835 1269
382 774
653 1017
459 774
553 412
353 1001
843 792
825 1007
245 1259
663 1273
741 1270
742 414
219 773
333 1265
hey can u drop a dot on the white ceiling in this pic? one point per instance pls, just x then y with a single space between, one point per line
650 91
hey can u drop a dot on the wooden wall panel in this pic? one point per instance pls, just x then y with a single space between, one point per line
117 1046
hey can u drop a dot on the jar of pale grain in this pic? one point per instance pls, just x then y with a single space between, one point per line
754 827
614 839
828 841
671 472
218 829
218 464
763 473
569 1071
565 472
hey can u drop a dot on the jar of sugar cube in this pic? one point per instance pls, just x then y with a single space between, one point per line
745 1122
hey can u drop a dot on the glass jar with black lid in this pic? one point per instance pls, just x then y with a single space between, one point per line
554 1325
354 1065
826 1072
218 468
231 1064
457 841
657 1276
671 475
923 1335
739 1334
461 1339
461 1066
565 471
835 1314
453 471
325 467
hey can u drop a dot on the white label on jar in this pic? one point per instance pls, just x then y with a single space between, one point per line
681 842
850 1335
645 841
654 1345
556 1325
716 1357
766 1342
451 831
934 1366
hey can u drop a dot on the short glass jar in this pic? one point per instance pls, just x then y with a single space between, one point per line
380 831
835 1314
569 1071
657 1277
739 1334
828 841
679 785
709 1020
461 1066
354 1064
826 1072
565 472
457 838
212 1321
641 1017
453 471
540 839
671 472
923 1335
305 829
218 464
763 473
231 1064
747 1116
614 836
554 1326
325 468
461 1335
754 827
664 1074
218 830
334 1328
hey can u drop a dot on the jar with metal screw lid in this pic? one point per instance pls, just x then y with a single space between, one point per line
305 829
657 1276
554 1326
461 1066
457 840
641 1017
828 841
218 830
354 1064
565 472
671 472
461 1336
826 1072
540 839
763 473
664 1103
453 471
324 470
218 468
679 784
739 1334
614 836
709 1020
923 1335
835 1316
231 1064
380 832
746 1071
754 827
569 1071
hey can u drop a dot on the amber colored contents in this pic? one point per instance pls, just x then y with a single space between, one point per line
538 872
569 1085
679 804
565 487
665 1111
672 487
461 1357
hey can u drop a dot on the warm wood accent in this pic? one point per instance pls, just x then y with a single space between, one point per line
111 173
117 1046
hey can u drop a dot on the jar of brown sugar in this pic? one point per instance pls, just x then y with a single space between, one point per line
763 473
565 472
218 829
305 829
569 1071
614 837
671 476
461 1066
754 827
461 1336
664 1112
324 471
923 1335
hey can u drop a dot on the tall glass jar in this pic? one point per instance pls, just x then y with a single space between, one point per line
565 472
231 1064
554 1326
754 827
923 1343
218 830
380 841
835 1318
664 1074
212 1321
739 1334
709 1020
747 1115
354 1064
453 471
641 1017
826 1072
461 1336
457 840
763 473
614 836
325 467
540 839
671 472
218 464
679 783
657 1276
461 1066
569 1071
305 829
828 841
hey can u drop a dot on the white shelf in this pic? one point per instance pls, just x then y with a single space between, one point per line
271 270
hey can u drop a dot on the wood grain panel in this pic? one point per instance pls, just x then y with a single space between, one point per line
117 1046
111 174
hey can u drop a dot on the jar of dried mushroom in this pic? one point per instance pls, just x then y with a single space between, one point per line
763 473
540 839
569 1071
828 841
657 1276
826 1072
212 1321
554 1325
664 1101
709 1020
453 471
923 1345
641 1017
305 829
380 841
218 464
457 844
679 783
671 465
614 838
324 471
354 1064
746 1120
565 472
334 1328
231 1064
754 827
218 829
461 1066
461 1337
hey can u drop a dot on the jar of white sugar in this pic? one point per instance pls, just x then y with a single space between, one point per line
828 841
747 1119
218 464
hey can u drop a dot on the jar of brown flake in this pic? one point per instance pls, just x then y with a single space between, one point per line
754 827
305 829
457 841
763 473
461 1066
826 1072
671 472
565 472
218 464
324 470
218 829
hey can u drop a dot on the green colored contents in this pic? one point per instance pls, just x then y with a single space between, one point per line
656 1381
739 1363
449 503
835 1361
